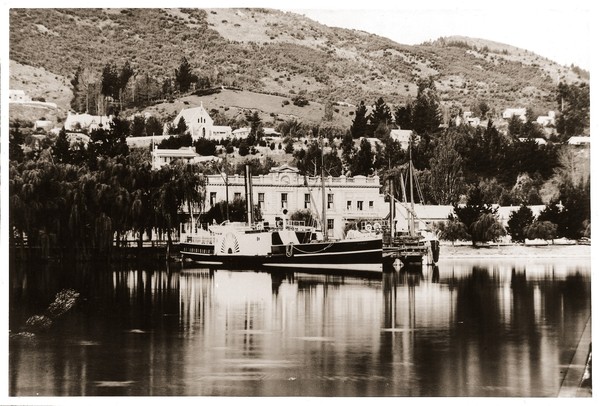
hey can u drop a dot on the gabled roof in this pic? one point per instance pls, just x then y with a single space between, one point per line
192 113
284 168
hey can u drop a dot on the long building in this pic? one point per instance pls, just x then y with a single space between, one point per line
284 188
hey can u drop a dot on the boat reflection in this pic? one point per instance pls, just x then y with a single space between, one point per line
459 329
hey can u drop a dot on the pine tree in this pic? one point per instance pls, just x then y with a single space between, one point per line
184 76
426 112
359 124
380 116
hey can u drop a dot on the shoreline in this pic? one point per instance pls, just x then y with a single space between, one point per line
449 252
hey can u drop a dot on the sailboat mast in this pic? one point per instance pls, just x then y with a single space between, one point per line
392 208
411 223
249 195
323 197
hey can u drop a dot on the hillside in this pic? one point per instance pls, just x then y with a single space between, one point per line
234 104
273 52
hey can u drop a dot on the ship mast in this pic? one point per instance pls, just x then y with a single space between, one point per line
249 205
411 223
323 197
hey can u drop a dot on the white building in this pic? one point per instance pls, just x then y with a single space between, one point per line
504 212
348 199
220 132
201 125
270 132
18 96
162 157
45 125
579 140
145 141
521 113
197 120
241 133
87 122
539 141
548 120
403 137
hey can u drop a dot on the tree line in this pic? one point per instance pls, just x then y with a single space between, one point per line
115 88
74 203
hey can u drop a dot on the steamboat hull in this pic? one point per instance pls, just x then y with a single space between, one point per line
354 255
358 255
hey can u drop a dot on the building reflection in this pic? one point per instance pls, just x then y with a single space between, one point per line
461 329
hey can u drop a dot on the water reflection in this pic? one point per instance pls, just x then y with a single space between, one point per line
460 329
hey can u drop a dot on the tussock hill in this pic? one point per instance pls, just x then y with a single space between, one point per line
278 53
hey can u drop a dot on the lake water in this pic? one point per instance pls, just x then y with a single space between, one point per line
470 327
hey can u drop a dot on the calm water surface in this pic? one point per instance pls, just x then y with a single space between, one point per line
490 327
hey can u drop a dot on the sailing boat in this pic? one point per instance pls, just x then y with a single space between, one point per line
411 248
287 245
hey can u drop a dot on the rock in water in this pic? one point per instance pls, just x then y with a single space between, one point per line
37 323
64 300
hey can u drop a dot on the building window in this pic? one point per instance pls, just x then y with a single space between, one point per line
261 200
330 225
349 205
237 196
330 200
359 205
371 204
213 199
306 200
284 201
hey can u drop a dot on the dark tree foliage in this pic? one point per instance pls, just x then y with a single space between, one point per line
527 157
256 166
514 126
393 154
518 222
125 74
348 149
176 142
110 81
524 129
486 228
138 127
363 160
576 213
545 230
256 131
153 126
380 116
61 149
237 212
468 214
182 127
453 230
111 142
484 152
574 109
426 114
205 147
184 76
308 161
403 117
244 149
16 138
359 124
